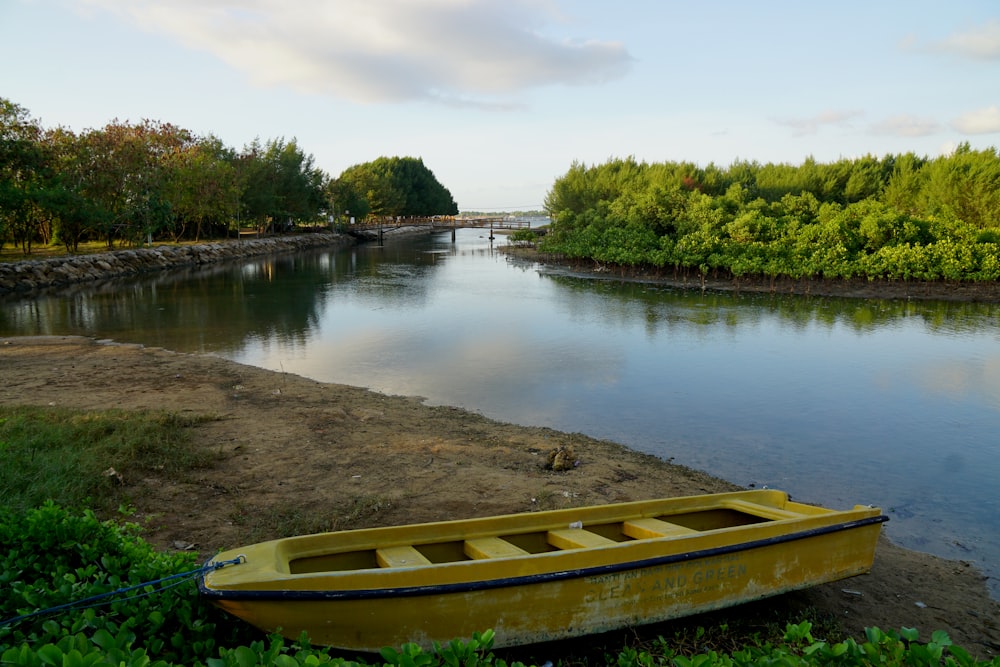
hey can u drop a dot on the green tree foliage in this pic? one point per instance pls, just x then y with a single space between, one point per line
369 189
347 198
73 215
964 186
126 169
128 183
280 185
23 173
391 187
896 218
201 187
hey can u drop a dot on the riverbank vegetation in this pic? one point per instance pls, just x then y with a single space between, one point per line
896 218
136 183
532 213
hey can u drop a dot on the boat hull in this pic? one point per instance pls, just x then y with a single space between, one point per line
556 594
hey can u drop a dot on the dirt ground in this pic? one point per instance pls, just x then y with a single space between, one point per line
293 455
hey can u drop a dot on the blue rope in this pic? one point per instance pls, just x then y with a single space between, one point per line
102 598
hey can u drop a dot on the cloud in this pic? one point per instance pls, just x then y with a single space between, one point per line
980 43
813 124
905 125
981 121
462 52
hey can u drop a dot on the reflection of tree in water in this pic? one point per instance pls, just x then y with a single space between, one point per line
669 308
219 307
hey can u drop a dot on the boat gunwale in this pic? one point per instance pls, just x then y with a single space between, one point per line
773 498
243 594
295 547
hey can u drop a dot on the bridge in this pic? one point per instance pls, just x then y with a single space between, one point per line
374 228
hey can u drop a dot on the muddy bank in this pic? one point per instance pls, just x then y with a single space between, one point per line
291 455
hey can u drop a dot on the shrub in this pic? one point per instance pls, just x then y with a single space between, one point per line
51 557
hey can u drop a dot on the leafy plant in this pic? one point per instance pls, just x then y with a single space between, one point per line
525 237
51 557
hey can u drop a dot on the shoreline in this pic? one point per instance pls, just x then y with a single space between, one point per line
292 454
27 276
857 288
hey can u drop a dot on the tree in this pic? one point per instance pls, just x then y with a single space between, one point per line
423 195
395 187
279 184
902 191
124 172
346 199
966 185
201 187
897 217
22 174
74 215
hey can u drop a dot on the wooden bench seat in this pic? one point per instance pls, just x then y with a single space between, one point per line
650 528
492 547
762 511
405 556
577 538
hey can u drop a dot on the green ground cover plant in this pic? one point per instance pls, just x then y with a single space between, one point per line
51 556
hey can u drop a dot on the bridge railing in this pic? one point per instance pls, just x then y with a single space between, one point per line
445 222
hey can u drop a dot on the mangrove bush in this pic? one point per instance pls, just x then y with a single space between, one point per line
900 217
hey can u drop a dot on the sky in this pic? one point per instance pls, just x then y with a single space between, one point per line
500 97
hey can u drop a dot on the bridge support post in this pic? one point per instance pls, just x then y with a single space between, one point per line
491 230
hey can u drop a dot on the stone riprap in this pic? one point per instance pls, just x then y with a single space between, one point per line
32 274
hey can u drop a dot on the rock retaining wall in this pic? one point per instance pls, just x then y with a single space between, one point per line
29 275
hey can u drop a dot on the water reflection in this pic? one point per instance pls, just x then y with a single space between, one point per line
220 307
796 312
895 403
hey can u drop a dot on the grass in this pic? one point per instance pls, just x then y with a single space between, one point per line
12 253
84 458
267 522
288 518
360 511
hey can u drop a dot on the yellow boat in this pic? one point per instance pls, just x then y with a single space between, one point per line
541 576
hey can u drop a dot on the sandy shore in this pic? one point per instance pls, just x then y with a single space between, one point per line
300 455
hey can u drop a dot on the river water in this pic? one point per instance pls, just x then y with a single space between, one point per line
837 401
